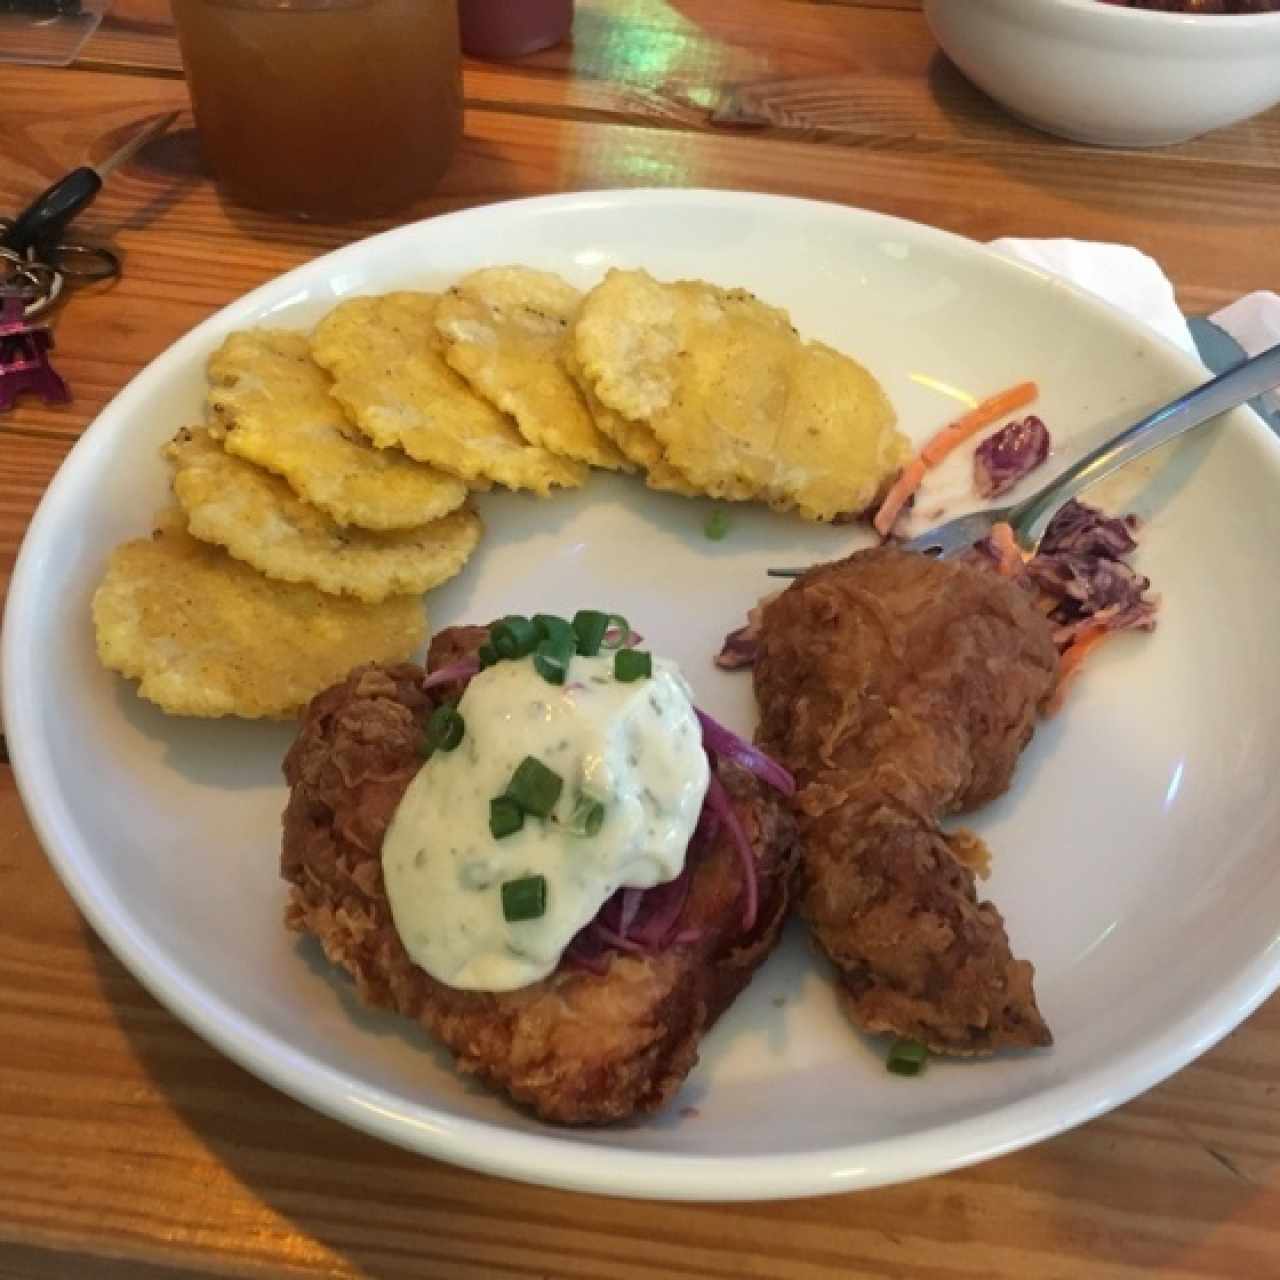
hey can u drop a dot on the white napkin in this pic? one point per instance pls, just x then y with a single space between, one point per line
1253 321
1129 279
1117 273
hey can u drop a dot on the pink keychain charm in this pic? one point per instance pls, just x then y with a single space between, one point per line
24 357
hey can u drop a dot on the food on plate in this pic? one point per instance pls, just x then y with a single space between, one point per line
269 404
740 405
343 459
942 443
1007 456
900 689
504 329
635 439
258 518
208 636
1081 581
570 890
741 647
387 361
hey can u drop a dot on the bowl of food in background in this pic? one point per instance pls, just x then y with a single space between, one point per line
1120 73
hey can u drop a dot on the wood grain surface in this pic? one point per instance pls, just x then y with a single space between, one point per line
128 1147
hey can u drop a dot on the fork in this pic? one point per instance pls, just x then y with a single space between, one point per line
1029 518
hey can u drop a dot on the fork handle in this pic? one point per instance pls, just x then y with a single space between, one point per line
1226 391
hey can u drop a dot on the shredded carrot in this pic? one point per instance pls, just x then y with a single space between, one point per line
993 407
903 487
1011 560
938 446
1069 664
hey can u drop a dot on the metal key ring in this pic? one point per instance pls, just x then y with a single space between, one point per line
37 281
85 263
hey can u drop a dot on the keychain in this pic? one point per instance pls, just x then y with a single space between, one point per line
36 262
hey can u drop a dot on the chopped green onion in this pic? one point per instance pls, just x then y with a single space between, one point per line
505 817
907 1058
589 625
488 656
552 657
588 816
513 636
717 525
534 787
617 632
551 627
632 664
445 728
524 899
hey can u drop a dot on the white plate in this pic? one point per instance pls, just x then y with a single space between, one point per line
1134 859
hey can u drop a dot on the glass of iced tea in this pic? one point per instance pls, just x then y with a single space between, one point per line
324 108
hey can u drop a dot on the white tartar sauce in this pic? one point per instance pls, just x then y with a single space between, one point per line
635 747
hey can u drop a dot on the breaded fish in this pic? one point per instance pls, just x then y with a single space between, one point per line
579 1047
899 689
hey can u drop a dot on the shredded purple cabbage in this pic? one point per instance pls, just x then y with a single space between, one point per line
462 671
724 742
1086 584
718 799
741 647
639 921
1080 572
1008 455
1084 530
614 639
630 904
635 921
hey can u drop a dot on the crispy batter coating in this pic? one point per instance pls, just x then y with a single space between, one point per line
899 689
578 1047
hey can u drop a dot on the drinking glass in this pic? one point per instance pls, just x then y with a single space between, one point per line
324 108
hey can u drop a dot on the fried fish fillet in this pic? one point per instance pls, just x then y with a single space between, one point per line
899 689
578 1047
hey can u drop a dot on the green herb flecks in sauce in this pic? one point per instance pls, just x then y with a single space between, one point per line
632 774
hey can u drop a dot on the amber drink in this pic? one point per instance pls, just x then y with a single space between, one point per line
327 108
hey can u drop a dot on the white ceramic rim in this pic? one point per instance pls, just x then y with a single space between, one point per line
1239 23
491 1148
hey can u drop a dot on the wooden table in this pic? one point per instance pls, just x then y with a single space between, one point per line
128 1147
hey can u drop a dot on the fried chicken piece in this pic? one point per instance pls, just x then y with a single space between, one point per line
898 689
578 1047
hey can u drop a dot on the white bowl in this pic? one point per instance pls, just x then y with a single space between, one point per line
1113 76
1134 859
